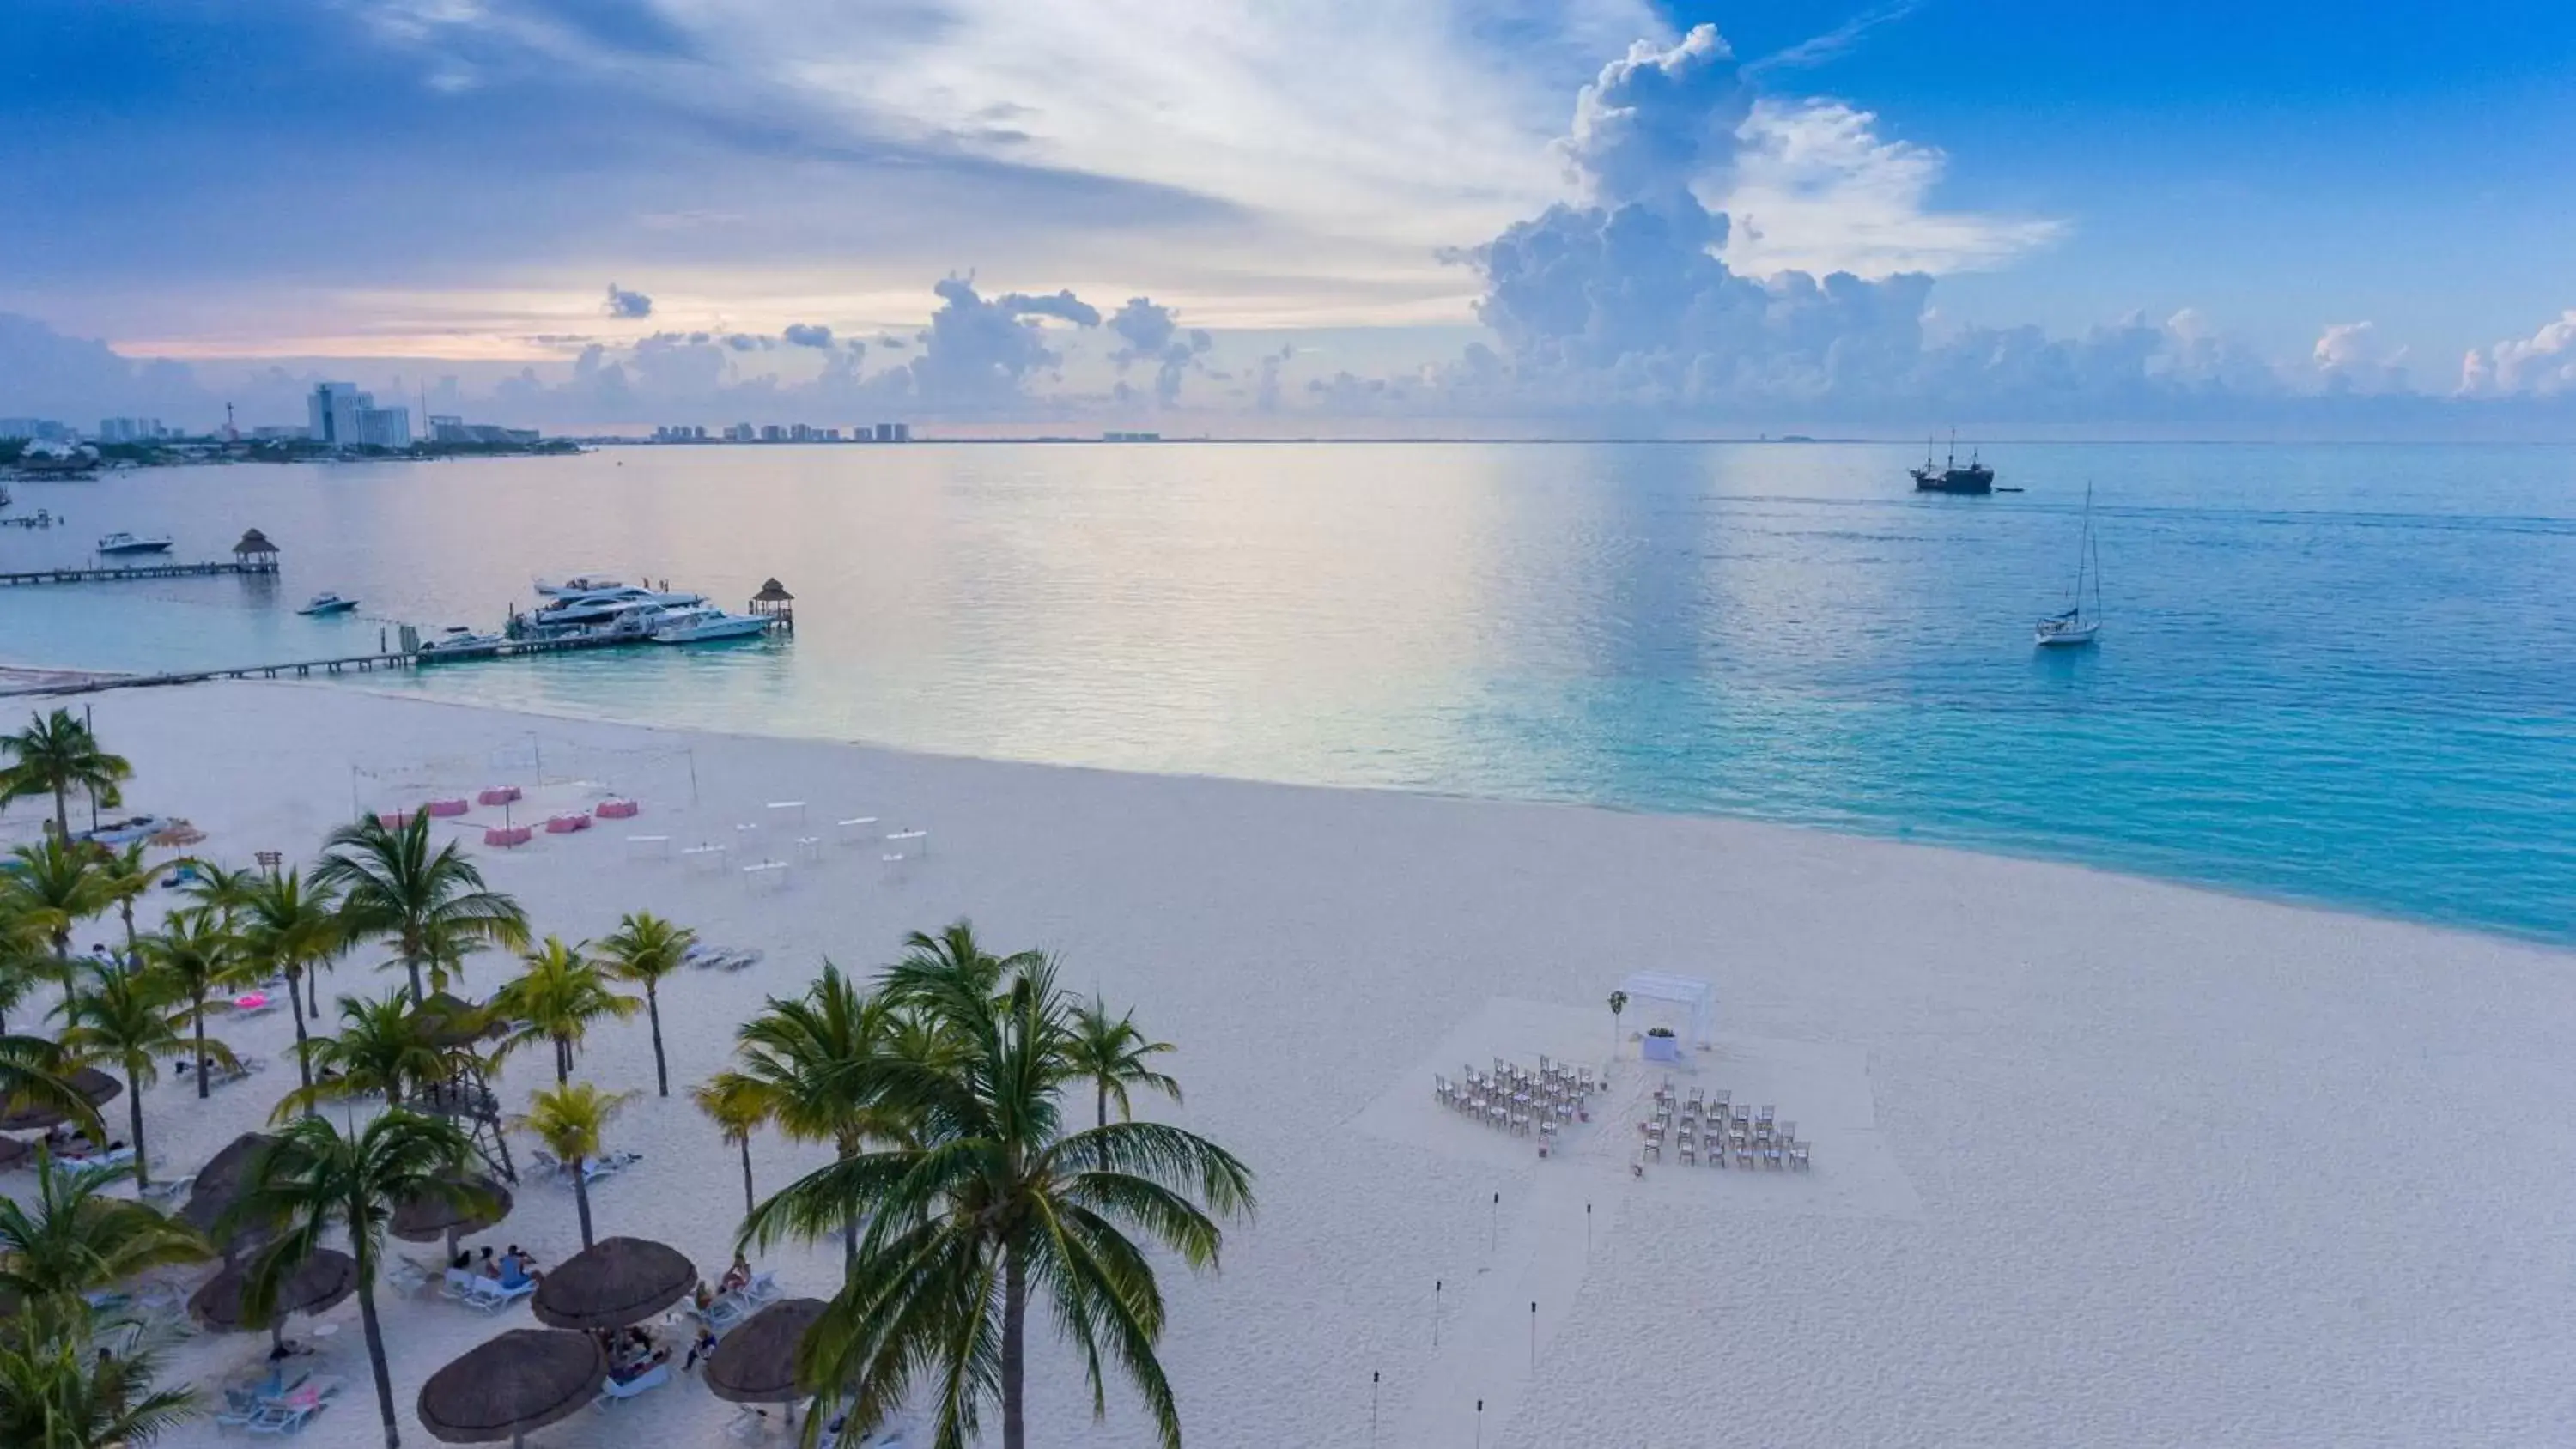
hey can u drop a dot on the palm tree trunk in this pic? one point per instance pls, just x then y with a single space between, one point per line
1104 1101
581 1197
134 1119
563 1062
746 1174
63 967
1015 1327
313 993
411 963
63 813
661 1068
849 1229
125 908
201 1048
295 1004
376 1352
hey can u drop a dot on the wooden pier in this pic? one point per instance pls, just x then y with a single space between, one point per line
109 575
352 663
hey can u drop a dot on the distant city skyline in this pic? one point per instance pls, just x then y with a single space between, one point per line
1601 215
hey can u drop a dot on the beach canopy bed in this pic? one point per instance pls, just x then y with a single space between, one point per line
1690 992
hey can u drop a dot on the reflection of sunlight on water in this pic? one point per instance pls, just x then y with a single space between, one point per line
1781 631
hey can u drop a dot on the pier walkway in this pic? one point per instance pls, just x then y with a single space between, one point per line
103 575
385 659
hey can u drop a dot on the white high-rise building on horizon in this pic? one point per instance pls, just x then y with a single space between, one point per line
342 416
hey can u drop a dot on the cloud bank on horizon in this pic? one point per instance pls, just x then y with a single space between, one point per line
1698 244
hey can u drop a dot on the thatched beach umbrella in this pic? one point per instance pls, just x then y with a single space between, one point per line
316 1285
512 1386
614 1282
222 1182
255 548
756 1362
425 1220
95 1087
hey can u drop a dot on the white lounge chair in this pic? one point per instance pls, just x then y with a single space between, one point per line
490 1295
645 1382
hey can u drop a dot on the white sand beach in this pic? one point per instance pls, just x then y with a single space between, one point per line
2098 1161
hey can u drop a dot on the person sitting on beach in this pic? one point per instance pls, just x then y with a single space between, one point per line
704 1297
637 1369
463 1262
491 1266
703 1347
736 1277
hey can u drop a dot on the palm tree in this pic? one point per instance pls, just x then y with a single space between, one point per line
24 960
570 1118
431 904
72 1238
196 951
797 1061
134 1020
127 877
383 1047
53 886
555 1000
993 1205
644 949
1109 1052
314 1179
31 1073
55 755
290 929
955 954
737 1114
55 1393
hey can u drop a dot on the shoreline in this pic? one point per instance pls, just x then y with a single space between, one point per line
1928 837
2113 1151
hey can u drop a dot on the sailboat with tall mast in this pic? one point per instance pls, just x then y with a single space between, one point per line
2075 625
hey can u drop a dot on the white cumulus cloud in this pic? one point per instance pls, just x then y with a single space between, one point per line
2541 365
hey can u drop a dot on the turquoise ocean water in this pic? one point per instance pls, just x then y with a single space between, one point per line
2336 673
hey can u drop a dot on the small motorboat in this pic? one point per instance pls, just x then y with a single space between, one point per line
327 604
126 543
458 642
700 623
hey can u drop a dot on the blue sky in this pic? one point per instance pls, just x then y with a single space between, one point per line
450 187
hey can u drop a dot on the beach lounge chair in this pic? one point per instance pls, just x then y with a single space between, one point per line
287 1414
645 1382
491 1295
240 1407
457 1284
762 1288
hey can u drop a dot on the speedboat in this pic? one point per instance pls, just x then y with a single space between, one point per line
458 642
119 543
703 622
599 606
323 604
578 584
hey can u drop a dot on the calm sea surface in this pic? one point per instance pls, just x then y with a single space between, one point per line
2338 673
